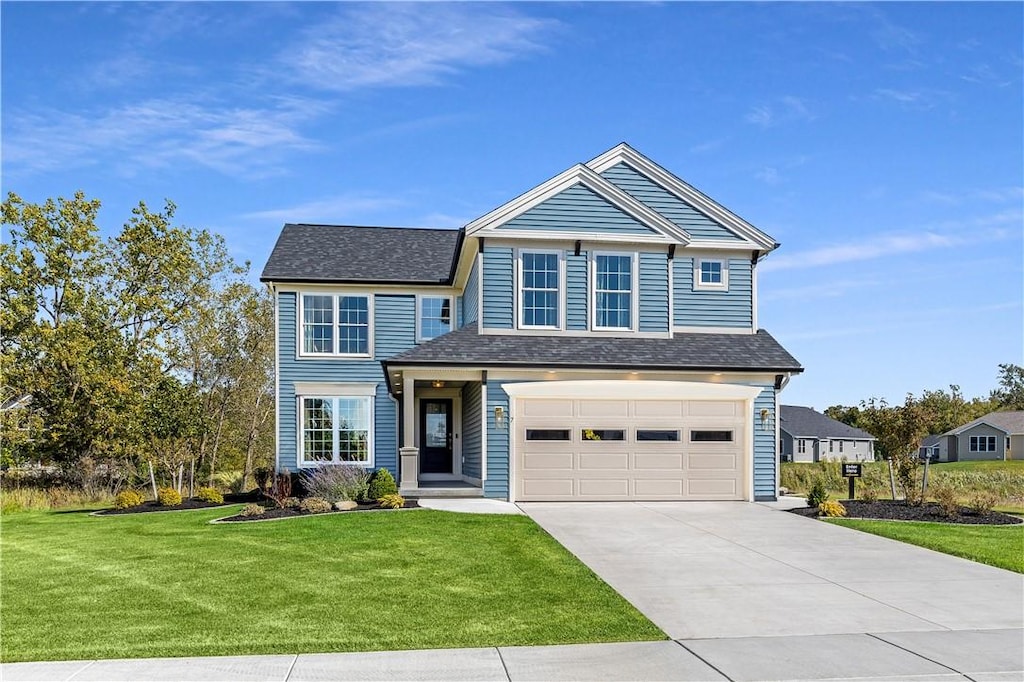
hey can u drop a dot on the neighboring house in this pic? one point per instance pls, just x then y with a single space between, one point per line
997 435
932 448
594 338
810 436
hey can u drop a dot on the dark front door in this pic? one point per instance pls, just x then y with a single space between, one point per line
435 435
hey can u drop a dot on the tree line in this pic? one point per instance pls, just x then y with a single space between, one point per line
148 348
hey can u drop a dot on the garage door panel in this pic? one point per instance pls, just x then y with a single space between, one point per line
603 460
651 467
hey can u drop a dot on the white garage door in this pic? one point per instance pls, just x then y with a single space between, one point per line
586 449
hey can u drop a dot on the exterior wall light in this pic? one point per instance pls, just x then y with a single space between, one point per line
500 420
765 419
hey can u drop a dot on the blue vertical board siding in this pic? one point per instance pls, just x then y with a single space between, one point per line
577 294
496 484
580 210
471 429
698 225
704 308
470 302
765 456
393 333
653 292
499 288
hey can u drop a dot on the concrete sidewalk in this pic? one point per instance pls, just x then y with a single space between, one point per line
980 655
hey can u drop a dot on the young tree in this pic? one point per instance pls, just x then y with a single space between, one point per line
899 429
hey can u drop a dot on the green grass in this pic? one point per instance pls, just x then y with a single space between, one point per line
1011 466
1001 546
81 587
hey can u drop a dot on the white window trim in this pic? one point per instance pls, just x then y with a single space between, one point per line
562 293
801 446
634 305
451 311
301 316
975 444
367 393
698 285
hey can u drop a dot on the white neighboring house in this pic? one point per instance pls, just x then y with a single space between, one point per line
996 436
806 435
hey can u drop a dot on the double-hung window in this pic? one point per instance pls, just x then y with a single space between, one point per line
435 316
711 273
613 291
336 430
540 290
335 324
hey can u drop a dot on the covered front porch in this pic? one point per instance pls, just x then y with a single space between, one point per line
441 433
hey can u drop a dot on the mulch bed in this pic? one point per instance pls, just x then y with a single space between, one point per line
151 506
889 510
290 512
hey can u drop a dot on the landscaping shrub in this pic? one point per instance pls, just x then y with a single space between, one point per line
831 508
382 483
252 510
336 482
945 497
392 501
315 505
211 495
869 494
168 497
817 493
128 498
292 503
983 502
280 489
263 476
230 481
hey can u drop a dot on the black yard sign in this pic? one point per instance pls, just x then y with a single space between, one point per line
852 472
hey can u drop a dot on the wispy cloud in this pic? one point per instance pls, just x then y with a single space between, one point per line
996 227
338 209
994 195
397 44
983 74
768 175
785 109
914 98
159 132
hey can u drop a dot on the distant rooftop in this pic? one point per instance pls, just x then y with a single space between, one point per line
1012 422
805 422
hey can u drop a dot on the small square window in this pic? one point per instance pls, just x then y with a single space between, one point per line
711 274
435 316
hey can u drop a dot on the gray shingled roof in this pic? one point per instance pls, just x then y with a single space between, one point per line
710 352
345 253
1012 422
930 441
805 422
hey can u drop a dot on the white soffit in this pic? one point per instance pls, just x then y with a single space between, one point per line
631 390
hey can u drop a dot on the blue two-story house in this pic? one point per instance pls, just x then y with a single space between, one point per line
595 338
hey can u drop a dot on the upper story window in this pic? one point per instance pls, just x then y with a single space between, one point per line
540 289
711 273
434 317
613 291
335 324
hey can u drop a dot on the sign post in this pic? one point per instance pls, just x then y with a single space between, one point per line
852 472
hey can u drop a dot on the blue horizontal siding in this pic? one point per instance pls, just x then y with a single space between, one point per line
496 484
698 225
653 292
499 288
470 300
577 294
577 209
393 333
471 430
703 308
765 457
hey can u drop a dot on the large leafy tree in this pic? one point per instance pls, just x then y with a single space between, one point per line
1010 394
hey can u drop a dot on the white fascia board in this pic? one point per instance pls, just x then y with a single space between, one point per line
968 427
623 153
721 245
579 174
632 390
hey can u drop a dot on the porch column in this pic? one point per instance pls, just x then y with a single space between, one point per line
409 453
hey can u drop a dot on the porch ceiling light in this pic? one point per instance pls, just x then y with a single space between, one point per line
437 383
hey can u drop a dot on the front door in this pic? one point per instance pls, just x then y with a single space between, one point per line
435 435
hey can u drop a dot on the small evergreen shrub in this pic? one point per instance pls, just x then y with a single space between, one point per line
251 510
211 495
817 493
128 498
336 482
315 505
945 497
983 502
392 501
168 497
382 483
831 508
292 503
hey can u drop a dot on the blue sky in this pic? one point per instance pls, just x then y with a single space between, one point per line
881 144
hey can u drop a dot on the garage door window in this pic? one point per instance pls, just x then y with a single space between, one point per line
603 434
547 434
710 436
643 435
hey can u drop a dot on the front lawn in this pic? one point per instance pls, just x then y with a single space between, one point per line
81 587
1001 546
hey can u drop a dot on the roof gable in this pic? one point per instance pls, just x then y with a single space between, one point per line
659 229
623 153
578 209
1010 422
